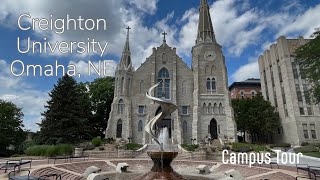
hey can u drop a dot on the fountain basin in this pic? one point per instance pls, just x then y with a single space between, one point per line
162 167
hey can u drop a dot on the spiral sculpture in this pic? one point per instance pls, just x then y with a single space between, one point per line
167 108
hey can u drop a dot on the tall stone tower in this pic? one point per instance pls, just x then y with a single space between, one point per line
212 112
120 123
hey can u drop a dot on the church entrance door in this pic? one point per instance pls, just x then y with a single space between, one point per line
166 122
213 129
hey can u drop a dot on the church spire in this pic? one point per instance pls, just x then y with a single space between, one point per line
205 29
126 54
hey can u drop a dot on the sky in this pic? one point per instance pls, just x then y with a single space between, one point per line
244 28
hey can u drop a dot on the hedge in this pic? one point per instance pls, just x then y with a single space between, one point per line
244 147
50 150
189 147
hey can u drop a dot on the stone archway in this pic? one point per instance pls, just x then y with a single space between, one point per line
213 129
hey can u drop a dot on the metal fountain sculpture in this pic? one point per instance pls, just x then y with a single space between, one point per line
162 159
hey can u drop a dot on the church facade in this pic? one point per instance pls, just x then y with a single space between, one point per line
201 93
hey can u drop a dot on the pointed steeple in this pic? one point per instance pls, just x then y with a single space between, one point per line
126 54
205 29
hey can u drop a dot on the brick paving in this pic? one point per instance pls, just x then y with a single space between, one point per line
276 176
73 171
82 166
50 170
243 169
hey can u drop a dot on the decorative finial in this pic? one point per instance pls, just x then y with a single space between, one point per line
164 36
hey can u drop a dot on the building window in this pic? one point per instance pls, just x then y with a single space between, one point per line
185 110
253 94
310 112
141 109
164 86
295 71
301 109
140 126
185 128
313 131
305 131
121 106
242 94
211 85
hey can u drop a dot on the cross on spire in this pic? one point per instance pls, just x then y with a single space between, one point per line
128 28
164 36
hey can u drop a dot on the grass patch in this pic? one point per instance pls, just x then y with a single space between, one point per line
312 154
282 145
244 147
306 149
50 150
189 147
132 146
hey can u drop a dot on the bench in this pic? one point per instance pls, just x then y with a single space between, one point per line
66 158
304 167
85 157
203 169
315 170
11 164
12 176
122 167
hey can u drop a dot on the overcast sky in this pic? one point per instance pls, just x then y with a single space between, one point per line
244 28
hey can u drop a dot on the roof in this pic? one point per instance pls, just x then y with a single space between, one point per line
247 83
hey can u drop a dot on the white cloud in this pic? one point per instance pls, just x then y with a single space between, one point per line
302 24
15 90
147 6
250 70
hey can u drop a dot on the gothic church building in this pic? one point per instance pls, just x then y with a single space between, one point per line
201 92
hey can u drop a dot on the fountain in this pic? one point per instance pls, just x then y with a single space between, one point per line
163 157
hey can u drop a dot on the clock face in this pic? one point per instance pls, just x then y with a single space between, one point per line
210 56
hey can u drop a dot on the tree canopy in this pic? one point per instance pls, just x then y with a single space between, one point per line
308 60
67 116
257 117
101 96
11 126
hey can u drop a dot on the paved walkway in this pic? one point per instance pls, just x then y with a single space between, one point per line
73 171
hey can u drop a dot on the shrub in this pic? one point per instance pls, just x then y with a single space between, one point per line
86 146
306 149
282 145
50 150
190 147
132 146
244 147
304 144
97 141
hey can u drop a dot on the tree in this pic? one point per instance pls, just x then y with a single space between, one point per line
308 60
101 95
11 126
257 117
66 118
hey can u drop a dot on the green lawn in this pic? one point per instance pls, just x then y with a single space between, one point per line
312 154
